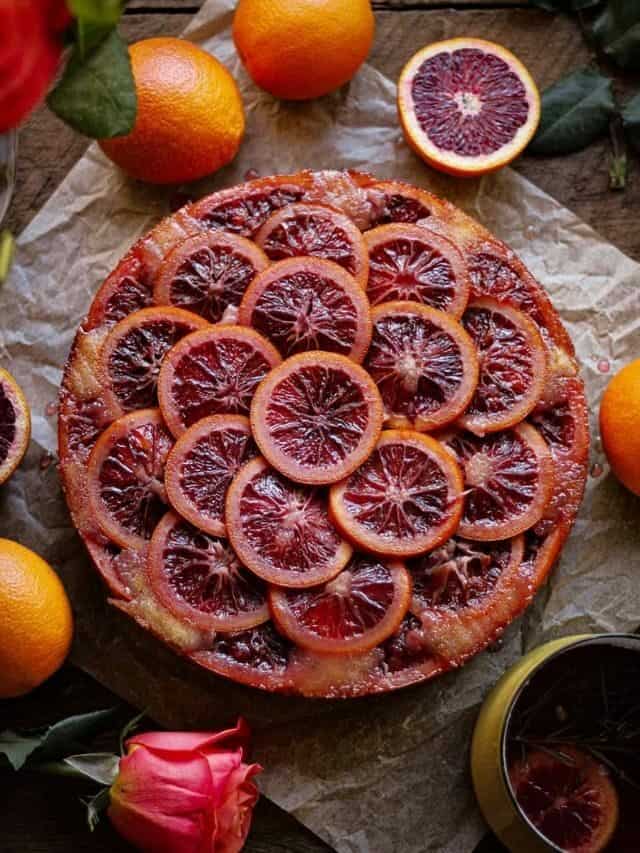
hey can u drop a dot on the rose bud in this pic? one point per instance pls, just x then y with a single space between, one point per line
30 50
185 792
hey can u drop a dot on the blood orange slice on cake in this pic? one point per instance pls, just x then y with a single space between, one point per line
354 612
198 577
410 262
306 304
282 530
424 364
201 466
127 493
213 371
317 231
316 417
405 499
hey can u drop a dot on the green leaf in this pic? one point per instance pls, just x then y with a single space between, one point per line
631 121
100 766
97 11
17 748
72 733
129 728
97 95
575 111
617 31
564 5
95 806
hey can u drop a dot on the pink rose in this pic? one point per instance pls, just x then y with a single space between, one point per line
185 792
30 50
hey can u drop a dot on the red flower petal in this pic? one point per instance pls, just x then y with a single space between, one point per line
200 741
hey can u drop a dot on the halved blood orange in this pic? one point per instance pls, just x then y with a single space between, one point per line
125 477
304 304
198 577
242 210
424 364
202 464
125 290
467 106
207 273
282 530
316 417
132 353
213 371
404 500
465 592
411 262
513 366
508 479
568 796
353 612
319 231
15 425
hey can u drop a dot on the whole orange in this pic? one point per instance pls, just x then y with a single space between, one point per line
36 625
300 49
620 425
190 119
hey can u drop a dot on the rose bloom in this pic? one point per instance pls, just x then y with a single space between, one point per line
30 49
185 792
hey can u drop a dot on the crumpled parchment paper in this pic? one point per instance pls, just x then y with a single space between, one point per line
369 776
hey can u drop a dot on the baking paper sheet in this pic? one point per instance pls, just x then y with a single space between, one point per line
369 776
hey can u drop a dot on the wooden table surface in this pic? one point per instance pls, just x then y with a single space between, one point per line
38 816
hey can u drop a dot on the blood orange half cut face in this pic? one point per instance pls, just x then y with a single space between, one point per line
304 304
125 477
282 530
126 290
199 578
513 366
467 106
15 425
207 273
405 499
508 481
134 349
424 364
409 262
318 231
202 464
465 592
213 371
354 612
316 417
568 796
242 210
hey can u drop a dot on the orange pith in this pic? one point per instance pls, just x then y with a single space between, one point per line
304 49
36 624
463 104
190 118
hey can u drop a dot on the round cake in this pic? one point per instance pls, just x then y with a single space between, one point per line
322 434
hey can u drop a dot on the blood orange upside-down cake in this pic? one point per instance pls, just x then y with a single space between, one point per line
323 434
